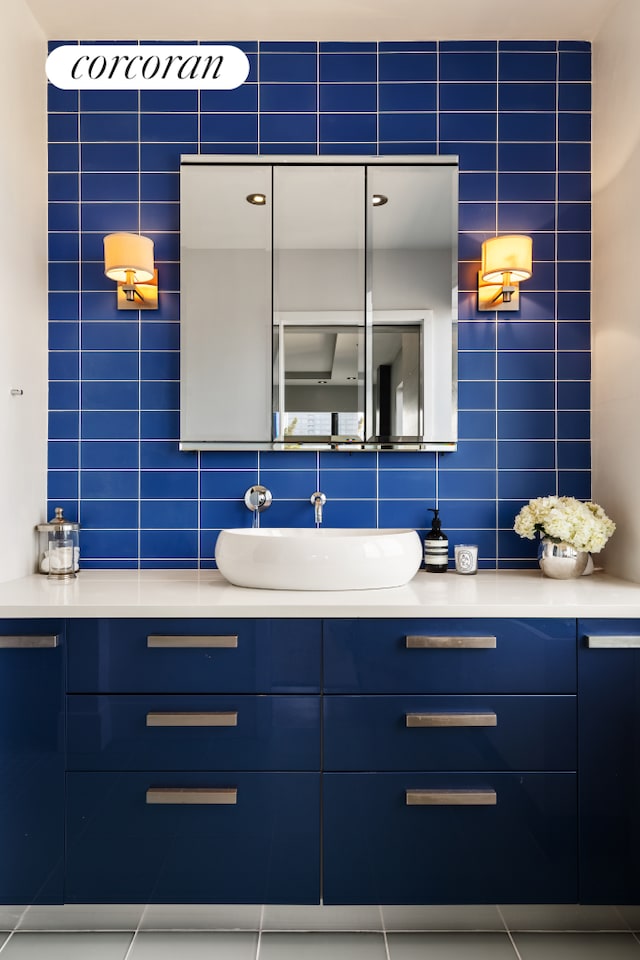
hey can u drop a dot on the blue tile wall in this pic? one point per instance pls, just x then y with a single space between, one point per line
517 114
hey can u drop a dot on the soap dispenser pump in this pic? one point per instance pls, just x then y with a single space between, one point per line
436 546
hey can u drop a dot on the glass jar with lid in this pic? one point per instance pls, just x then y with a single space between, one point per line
59 548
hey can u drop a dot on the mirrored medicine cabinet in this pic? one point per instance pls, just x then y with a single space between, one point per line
318 303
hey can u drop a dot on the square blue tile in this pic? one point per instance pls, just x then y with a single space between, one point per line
574 365
474 365
63 336
63 186
574 306
348 68
574 186
476 395
64 365
63 275
475 425
64 395
64 101
574 126
64 425
62 127
159 365
477 186
574 246
574 455
477 216
62 485
575 66
63 454
574 275
63 157
574 96
63 216
574 216
572 483
574 336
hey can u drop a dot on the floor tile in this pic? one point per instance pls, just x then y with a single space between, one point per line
631 916
185 916
577 946
322 946
442 918
82 917
67 946
562 917
450 946
350 918
194 946
10 917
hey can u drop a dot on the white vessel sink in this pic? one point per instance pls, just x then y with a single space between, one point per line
278 558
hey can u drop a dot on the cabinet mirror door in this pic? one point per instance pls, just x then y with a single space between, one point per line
412 299
319 303
225 333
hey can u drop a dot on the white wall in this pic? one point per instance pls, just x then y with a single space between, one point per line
23 282
616 300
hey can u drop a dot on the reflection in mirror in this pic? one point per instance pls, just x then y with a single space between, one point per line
397 381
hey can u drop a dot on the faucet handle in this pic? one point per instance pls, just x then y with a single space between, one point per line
257 498
318 498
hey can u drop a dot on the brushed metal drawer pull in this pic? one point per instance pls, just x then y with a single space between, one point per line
451 798
218 642
29 643
451 720
192 795
217 719
451 643
613 643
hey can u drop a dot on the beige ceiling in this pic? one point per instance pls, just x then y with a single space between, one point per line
320 19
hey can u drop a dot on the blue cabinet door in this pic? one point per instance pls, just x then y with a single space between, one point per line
450 838
609 765
31 762
161 837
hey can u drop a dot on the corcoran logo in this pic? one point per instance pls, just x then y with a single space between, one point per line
129 67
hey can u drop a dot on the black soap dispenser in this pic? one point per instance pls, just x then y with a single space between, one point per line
436 547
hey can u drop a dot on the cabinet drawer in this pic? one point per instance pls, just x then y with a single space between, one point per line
194 656
193 838
472 838
450 733
450 656
120 732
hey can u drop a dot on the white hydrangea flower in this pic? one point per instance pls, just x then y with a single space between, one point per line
584 526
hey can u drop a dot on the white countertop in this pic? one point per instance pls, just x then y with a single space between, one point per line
190 593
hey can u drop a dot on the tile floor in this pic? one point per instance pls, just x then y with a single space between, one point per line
319 933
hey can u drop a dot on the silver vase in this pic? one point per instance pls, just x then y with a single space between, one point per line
561 561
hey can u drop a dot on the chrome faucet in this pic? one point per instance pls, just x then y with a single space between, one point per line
318 500
257 499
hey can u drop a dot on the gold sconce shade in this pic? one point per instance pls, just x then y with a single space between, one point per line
128 259
506 262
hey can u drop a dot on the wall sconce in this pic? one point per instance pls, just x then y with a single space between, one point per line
506 261
128 259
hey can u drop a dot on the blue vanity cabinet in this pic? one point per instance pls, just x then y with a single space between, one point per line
609 760
193 761
450 761
31 761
